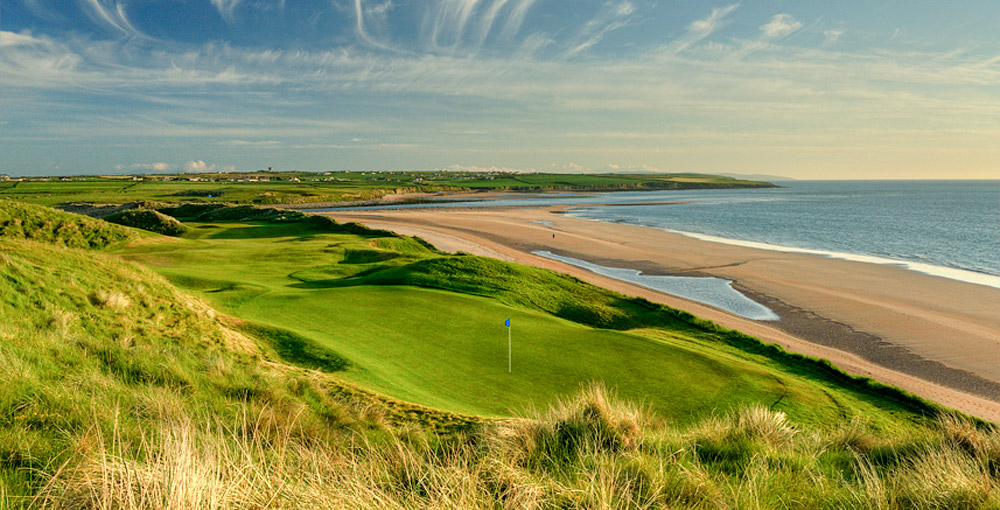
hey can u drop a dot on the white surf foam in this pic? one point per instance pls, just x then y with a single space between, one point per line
943 272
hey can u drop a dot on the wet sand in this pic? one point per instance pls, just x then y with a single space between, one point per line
934 337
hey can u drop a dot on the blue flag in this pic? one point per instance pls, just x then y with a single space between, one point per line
507 322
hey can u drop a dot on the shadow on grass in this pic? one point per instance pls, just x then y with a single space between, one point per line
296 349
580 302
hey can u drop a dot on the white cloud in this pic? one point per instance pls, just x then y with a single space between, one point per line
226 8
378 14
299 95
199 166
568 168
832 36
253 143
625 8
700 29
112 15
628 169
709 24
13 39
516 19
474 168
152 167
611 17
780 26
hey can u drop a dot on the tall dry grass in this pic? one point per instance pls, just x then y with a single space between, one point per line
591 451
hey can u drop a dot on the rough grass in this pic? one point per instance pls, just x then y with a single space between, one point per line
591 451
148 219
95 350
38 223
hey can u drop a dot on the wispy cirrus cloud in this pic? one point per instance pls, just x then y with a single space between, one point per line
543 87
226 8
111 15
702 28
780 26
612 16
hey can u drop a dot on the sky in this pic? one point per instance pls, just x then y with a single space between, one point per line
853 89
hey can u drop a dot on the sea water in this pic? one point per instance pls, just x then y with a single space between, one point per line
717 292
949 229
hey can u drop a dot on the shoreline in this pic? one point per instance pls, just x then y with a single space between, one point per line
950 273
900 327
430 201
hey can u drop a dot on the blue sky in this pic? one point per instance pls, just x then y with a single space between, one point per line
837 90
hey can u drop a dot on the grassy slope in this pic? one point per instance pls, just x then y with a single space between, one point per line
26 221
119 391
94 349
448 350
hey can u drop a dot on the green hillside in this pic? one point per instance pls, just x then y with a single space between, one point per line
120 390
26 221
427 328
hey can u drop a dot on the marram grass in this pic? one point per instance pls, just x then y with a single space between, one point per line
591 451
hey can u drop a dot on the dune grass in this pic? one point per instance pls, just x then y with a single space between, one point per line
93 348
148 219
38 223
589 451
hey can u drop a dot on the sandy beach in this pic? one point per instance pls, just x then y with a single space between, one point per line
932 336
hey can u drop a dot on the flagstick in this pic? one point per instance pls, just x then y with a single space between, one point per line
508 349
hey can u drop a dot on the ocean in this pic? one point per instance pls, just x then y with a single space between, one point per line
945 228
949 229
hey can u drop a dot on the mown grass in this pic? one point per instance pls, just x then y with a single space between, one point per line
428 328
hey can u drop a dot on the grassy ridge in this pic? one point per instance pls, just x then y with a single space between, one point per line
148 219
26 221
93 347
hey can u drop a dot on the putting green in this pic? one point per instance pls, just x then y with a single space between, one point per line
449 350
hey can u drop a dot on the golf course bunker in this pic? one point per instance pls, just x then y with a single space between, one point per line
710 291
